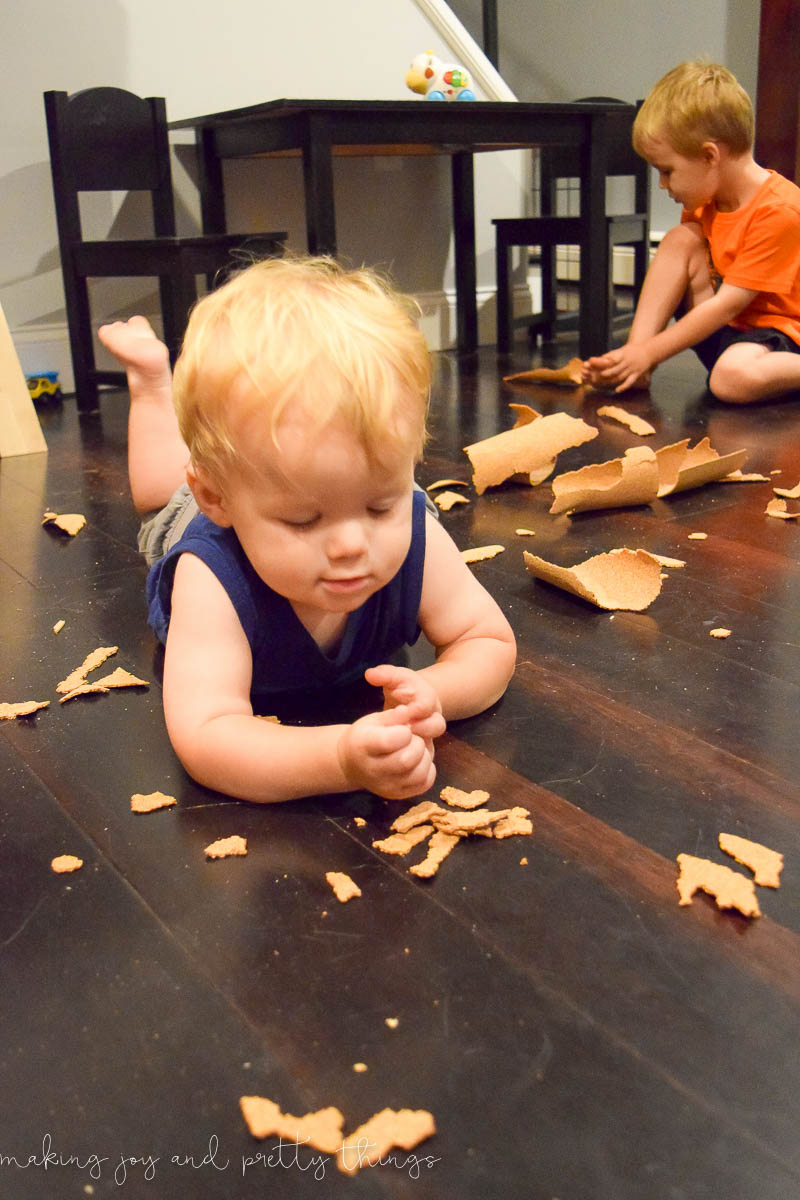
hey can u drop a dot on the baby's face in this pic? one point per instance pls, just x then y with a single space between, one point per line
320 523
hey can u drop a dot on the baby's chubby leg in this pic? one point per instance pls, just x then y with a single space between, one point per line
157 454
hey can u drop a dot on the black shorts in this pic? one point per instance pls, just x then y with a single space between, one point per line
710 349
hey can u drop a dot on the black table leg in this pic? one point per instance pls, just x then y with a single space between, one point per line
463 182
318 182
595 265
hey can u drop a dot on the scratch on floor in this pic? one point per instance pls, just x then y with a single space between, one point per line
27 920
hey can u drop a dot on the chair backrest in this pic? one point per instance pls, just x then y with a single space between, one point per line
563 162
107 139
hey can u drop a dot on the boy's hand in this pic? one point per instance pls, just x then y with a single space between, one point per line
402 686
380 753
137 348
629 366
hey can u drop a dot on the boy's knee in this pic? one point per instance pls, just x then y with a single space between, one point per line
731 382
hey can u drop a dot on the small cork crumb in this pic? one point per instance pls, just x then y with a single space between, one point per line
322 1130
150 802
230 847
697 537
402 843
446 500
59 625
359 821
637 425
460 799
94 659
479 553
522 532
780 509
392 1022
789 493
765 864
70 523
439 847
8 712
368 1144
444 483
65 863
360 1068
729 888
719 633
344 888
523 862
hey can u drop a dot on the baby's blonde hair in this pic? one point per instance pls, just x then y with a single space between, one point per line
696 102
290 333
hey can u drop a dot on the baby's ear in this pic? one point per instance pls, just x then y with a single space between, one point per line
209 498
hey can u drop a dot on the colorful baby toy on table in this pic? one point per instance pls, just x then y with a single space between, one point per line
435 80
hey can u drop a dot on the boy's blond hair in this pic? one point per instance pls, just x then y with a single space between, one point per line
302 333
698 101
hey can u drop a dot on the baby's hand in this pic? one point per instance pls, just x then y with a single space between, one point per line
380 754
409 688
136 346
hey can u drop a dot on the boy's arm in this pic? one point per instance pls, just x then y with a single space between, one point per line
475 646
624 366
207 677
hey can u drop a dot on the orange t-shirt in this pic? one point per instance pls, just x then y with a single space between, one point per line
758 247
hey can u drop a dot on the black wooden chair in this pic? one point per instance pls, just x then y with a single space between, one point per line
107 139
557 166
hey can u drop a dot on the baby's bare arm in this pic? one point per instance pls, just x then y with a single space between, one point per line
475 645
207 676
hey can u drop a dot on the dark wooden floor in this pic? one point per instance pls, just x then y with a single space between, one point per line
576 1034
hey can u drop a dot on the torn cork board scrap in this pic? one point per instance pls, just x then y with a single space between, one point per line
529 449
623 579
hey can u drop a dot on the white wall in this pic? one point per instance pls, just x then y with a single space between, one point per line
204 57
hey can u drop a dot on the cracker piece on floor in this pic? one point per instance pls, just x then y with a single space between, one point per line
65 863
439 847
664 561
680 468
516 824
620 579
479 553
528 449
368 1144
636 424
789 493
344 888
446 500
95 659
765 864
118 678
402 843
322 1129
618 483
70 523
418 815
729 888
59 625
482 821
779 508
745 477
444 483
230 847
22 709
460 799
719 633
151 801
697 536
522 532
570 373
